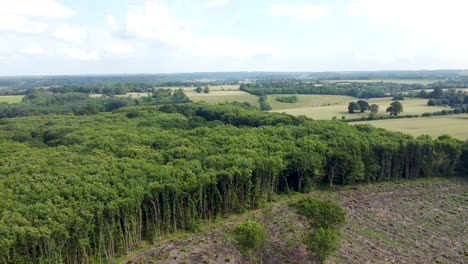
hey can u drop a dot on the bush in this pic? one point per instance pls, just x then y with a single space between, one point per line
321 214
322 243
251 237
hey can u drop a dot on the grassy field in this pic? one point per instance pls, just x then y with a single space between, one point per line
221 94
11 99
308 100
403 81
410 107
454 125
419 221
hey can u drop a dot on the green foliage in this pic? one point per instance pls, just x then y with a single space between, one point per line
264 105
395 108
399 97
374 108
355 89
322 243
321 214
251 237
198 89
88 188
363 105
353 107
287 99
206 89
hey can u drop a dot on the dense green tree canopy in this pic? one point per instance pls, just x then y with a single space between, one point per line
88 188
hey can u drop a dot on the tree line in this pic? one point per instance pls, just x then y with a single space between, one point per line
355 89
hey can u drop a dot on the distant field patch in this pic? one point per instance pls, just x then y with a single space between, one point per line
218 96
11 99
308 100
453 125
402 81
410 107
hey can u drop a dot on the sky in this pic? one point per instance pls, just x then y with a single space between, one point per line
59 37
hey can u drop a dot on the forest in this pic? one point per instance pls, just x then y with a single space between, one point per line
83 187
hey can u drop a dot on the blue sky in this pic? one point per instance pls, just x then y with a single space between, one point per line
150 36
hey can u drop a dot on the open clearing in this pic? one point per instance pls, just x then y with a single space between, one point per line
410 107
420 221
453 125
218 96
308 100
11 98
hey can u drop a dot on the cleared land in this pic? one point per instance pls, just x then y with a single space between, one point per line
308 100
422 221
453 125
11 99
410 107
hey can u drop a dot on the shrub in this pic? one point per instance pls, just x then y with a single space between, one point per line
251 237
322 243
321 214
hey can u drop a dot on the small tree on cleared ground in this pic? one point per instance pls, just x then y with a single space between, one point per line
325 218
206 89
321 243
198 89
252 238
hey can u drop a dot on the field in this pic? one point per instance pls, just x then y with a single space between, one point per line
410 107
454 125
421 221
222 94
11 98
308 100
402 81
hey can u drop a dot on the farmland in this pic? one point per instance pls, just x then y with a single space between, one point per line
11 98
420 221
402 81
410 107
454 125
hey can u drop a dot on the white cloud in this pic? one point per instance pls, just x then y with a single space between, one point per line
424 27
79 54
112 22
153 22
33 49
70 33
21 24
301 13
120 49
215 3
26 16
35 8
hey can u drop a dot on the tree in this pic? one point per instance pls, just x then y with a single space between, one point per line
437 93
251 237
324 219
206 89
395 108
198 89
321 214
399 97
321 243
363 105
353 107
374 108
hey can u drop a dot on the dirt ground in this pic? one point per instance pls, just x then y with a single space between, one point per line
422 221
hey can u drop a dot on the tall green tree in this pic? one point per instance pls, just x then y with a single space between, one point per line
353 107
363 105
395 108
